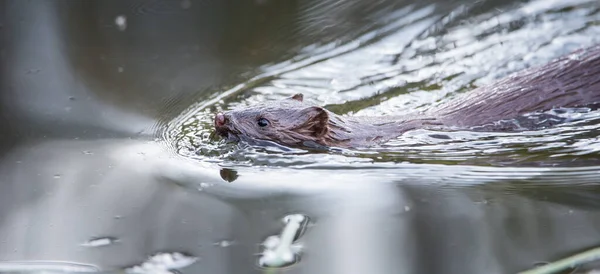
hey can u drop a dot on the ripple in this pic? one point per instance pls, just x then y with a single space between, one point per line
148 7
415 57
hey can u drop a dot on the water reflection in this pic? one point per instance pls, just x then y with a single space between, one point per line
150 200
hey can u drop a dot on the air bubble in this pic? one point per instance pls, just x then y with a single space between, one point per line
121 22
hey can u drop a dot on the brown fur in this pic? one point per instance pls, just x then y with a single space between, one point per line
570 81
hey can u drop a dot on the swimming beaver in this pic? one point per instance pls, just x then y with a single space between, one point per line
570 81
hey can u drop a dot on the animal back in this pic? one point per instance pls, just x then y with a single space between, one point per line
570 81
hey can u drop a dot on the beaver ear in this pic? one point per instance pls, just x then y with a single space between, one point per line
298 97
318 121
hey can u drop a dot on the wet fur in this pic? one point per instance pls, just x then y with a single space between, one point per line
570 81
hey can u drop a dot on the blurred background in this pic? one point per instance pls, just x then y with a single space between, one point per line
106 112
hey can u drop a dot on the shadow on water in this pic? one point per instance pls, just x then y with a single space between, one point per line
108 158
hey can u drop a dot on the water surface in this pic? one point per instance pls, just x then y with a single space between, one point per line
108 159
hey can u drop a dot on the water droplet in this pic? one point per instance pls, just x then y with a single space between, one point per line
97 242
121 22
162 263
56 176
204 186
407 208
120 69
87 152
224 243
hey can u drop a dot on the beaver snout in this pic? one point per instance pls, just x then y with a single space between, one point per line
222 124
220 120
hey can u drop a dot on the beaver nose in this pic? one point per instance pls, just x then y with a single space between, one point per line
220 119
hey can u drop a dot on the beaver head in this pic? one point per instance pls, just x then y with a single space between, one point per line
289 122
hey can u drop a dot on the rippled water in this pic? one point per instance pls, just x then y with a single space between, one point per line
89 89
414 57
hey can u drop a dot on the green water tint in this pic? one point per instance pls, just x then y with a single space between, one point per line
566 263
353 106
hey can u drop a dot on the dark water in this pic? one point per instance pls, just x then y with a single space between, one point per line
107 156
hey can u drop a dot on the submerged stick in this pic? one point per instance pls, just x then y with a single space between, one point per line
569 262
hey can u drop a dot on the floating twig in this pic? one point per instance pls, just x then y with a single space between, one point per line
569 262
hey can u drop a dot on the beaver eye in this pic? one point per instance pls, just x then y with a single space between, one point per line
262 122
